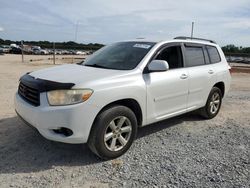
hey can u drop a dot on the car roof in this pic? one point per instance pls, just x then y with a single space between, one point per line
197 41
189 41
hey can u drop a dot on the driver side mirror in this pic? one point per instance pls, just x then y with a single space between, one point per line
158 66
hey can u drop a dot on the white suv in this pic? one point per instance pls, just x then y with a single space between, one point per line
121 87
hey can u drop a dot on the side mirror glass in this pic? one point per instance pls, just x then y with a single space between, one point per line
158 66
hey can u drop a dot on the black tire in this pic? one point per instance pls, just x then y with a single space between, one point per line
206 110
99 129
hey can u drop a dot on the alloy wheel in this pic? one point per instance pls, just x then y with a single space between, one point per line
117 133
214 103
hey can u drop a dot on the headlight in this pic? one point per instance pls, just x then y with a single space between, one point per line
67 97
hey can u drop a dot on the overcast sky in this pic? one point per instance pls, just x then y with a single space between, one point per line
107 21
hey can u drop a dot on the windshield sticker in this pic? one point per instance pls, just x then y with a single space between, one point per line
145 46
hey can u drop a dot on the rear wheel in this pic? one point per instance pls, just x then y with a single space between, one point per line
213 104
113 132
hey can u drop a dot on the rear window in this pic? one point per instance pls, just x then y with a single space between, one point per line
213 54
194 56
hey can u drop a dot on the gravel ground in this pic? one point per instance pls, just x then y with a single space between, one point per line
185 151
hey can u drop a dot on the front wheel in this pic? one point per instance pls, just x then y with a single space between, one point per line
213 104
113 132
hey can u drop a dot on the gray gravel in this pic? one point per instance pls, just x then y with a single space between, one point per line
182 152
185 151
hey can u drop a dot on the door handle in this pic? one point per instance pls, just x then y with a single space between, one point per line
183 76
210 71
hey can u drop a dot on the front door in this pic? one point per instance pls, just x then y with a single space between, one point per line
167 91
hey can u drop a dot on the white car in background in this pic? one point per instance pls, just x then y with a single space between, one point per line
40 52
121 87
80 53
5 48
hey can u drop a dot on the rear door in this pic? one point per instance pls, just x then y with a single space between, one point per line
202 75
167 91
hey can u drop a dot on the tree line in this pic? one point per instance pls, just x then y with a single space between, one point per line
58 45
232 50
228 49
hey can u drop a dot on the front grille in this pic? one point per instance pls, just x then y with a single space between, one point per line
29 94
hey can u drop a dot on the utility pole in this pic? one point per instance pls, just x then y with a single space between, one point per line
22 51
54 53
192 30
76 31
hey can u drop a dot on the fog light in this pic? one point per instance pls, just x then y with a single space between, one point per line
64 131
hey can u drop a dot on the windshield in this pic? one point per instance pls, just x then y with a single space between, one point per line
120 56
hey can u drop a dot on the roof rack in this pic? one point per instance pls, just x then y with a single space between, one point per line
185 38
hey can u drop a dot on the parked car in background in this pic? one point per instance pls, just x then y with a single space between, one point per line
72 52
58 52
1 51
40 51
89 52
15 50
80 53
44 52
14 45
121 87
5 48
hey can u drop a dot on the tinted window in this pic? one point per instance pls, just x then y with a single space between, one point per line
120 56
213 54
194 56
173 56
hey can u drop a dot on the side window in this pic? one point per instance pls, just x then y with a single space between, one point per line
172 55
194 56
213 54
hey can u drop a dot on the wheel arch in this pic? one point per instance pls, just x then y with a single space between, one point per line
221 86
131 104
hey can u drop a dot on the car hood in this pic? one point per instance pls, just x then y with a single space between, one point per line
77 74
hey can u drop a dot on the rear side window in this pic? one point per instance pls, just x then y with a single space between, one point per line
194 56
213 54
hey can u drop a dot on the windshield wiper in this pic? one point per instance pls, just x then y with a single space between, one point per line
97 66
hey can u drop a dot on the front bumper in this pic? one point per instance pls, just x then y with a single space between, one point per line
78 118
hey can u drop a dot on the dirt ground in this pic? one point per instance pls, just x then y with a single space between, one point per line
29 160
